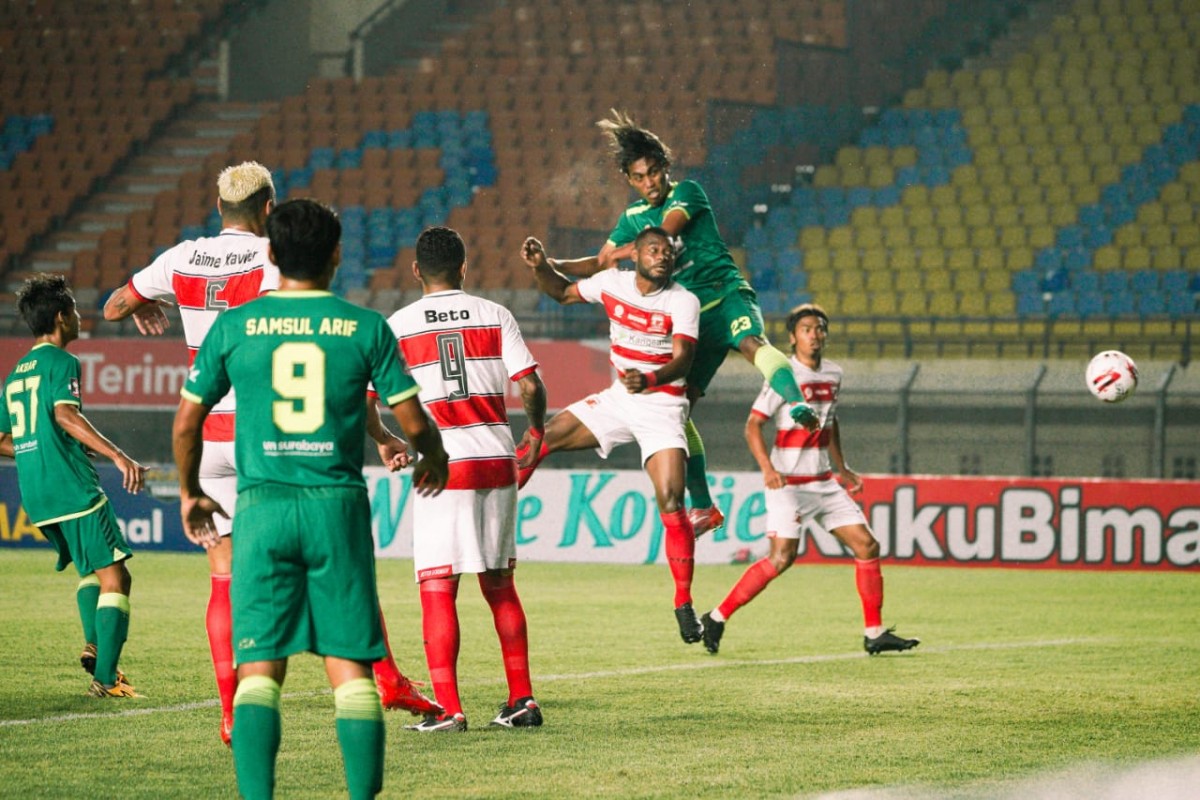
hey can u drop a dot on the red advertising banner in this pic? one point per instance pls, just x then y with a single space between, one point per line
148 373
1028 523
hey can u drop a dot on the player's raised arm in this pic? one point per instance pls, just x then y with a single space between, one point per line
550 281
147 314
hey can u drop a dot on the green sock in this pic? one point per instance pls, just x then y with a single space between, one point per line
86 596
256 734
112 628
697 472
359 722
776 368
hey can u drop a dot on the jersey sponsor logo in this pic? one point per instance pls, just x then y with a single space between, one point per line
637 319
297 447
444 571
73 387
819 392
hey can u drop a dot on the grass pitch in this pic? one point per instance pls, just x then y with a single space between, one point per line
1019 673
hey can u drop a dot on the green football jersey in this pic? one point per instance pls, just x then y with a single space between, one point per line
301 363
704 265
56 477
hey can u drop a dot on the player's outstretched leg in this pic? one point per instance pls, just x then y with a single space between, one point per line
753 581
680 546
395 690
704 516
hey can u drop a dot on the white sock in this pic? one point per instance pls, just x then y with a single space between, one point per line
716 616
874 632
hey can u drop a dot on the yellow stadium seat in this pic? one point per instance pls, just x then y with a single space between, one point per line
977 216
975 117
1003 195
908 280
1058 115
1008 135
915 197
1172 195
1137 257
889 217
812 236
897 237
867 238
994 278
903 156
1159 235
1063 135
991 261
880 176
1191 258
1056 193
839 237
932 258
1187 236
1014 236
853 175
1078 174
882 304
917 216
1019 258
1035 213
852 304
875 156
1041 236
936 280
817 258
989 177
955 237
963 79
1001 303
965 278
879 281
849 279
821 282
1039 156
1128 236
960 259
971 195
984 238
913 303
1021 175
845 259
849 157
1168 256
1063 214
1005 214
936 79
948 216
1179 212
875 260
1085 194
987 154
966 175
864 217
1128 153
1189 173
927 237
942 304
902 259
1107 258
972 304
1105 174
1050 176
826 176
943 196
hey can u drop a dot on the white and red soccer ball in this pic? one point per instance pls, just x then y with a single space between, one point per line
1112 376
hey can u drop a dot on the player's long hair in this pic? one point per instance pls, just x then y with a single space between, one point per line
629 142
41 298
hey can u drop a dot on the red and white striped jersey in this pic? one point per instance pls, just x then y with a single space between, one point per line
641 326
205 277
800 455
463 351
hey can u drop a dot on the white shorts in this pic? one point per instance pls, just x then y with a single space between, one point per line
218 479
464 531
654 420
829 509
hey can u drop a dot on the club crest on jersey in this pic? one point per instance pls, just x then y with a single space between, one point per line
618 310
658 324
73 387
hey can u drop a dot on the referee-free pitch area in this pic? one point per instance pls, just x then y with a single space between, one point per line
1020 674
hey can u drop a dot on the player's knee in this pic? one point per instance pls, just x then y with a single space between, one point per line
670 504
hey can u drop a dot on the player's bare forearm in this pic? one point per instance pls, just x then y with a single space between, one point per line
432 471
757 443
837 458
187 446
6 445
72 420
533 399
121 303
579 267
393 451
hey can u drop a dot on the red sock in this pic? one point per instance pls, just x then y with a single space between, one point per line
753 581
509 617
218 621
869 580
525 473
439 623
385 669
681 549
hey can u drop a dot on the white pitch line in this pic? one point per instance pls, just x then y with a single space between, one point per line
715 663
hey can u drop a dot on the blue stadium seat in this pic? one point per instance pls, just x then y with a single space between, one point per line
1085 281
1027 281
1061 304
1030 304
1090 304
1181 304
1151 305
1115 282
1145 281
1175 282
1119 304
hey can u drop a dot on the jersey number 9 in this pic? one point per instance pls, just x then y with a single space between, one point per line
298 376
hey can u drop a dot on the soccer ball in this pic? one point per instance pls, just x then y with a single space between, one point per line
1112 376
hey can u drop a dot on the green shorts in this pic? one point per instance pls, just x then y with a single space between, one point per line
304 575
93 541
722 328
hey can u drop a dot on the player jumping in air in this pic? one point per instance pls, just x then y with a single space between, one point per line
653 325
206 277
799 477
730 318
464 351
303 574
44 429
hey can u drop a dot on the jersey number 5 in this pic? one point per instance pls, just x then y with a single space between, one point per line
298 376
20 412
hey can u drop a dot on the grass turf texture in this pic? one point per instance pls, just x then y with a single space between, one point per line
1019 672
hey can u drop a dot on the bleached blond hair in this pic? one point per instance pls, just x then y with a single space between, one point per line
236 183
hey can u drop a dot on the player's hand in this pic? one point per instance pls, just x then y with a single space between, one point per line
133 474
773 480
851 480
430 475
534 254
198 526
529 451
394 454
634 381
150 319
